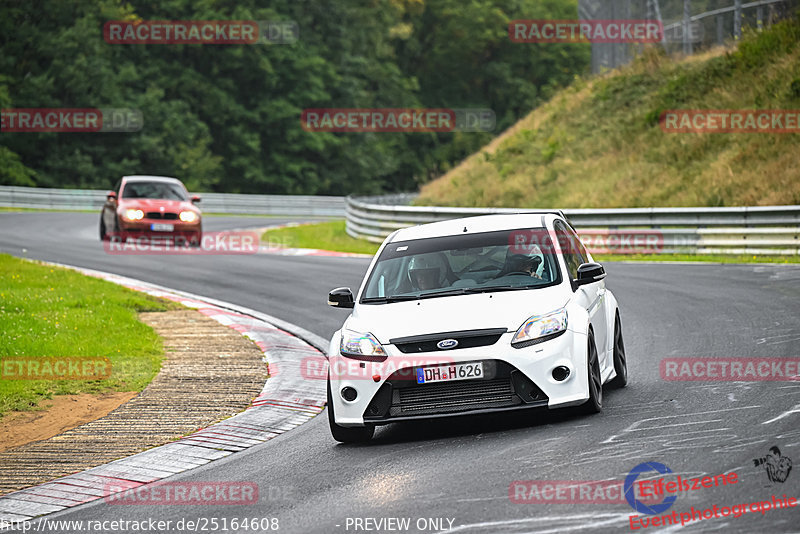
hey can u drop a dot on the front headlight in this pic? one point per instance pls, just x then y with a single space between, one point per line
134 214
361 346
540 328
188 216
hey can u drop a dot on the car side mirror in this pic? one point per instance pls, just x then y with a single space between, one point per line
195 199
589 273
341 297
111 196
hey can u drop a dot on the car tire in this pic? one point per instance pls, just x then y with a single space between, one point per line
345 434
620 358
123 238
595 380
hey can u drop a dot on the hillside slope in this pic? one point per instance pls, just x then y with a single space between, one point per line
599 144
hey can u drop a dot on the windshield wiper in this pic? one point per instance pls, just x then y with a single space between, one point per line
472 290
447 293
391 298
489 289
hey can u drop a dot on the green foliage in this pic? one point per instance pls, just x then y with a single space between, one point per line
599 144
227 118
12 171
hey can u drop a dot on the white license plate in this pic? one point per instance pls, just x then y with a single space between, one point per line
449 372
158 227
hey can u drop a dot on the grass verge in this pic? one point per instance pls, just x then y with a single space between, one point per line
326 236
47 311
4 209
710 258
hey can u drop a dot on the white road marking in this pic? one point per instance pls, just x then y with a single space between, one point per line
634 427
787 413
739 444
593 521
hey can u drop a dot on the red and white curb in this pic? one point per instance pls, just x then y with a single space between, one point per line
286 402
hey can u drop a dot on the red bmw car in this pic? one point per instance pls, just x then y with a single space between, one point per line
151 206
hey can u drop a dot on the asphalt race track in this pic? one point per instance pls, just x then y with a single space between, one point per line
461 469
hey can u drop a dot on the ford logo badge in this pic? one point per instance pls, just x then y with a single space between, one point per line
447 344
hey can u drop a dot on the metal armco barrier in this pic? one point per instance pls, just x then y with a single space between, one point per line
88 199
740 230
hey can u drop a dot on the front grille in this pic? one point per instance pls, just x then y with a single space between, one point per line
466 339
503 386
455 397
160 215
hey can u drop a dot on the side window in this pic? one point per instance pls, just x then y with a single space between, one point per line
571 246
580 249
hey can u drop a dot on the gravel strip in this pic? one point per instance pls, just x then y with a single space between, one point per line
209 373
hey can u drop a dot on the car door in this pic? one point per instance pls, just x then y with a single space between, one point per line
590 296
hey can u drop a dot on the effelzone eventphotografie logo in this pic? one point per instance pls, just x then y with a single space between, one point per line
776 465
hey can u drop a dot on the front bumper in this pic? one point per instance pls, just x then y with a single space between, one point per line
513 379
186 230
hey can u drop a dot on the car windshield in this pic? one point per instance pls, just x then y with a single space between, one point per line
454 265
162 190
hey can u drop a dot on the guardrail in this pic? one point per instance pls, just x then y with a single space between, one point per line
89 199
739 230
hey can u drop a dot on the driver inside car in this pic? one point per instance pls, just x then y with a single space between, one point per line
529 264
428 271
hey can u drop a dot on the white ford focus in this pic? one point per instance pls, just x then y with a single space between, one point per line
489 313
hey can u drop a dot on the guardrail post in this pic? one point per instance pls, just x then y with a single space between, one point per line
687 13
737 20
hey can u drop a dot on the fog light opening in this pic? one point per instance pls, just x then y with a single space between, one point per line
560 373
349 394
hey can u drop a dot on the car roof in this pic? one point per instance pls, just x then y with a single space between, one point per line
478 224
145 178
